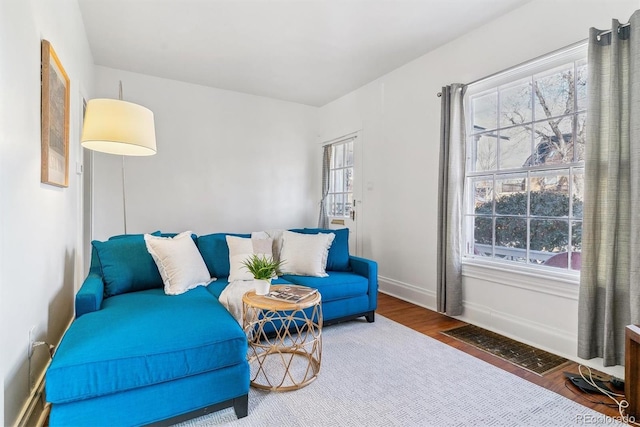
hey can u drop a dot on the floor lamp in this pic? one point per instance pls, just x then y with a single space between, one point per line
118 127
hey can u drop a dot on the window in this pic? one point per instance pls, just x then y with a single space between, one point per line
525 164
340 197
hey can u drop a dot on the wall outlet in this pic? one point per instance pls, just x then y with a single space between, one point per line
32 340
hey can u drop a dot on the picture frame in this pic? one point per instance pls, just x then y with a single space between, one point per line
54 119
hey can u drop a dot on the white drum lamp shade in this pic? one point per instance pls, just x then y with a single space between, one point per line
119 127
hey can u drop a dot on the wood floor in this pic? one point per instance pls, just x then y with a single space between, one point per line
431 323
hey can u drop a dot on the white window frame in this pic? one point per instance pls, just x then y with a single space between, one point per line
346 195
505 271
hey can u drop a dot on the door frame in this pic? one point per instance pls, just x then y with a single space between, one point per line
358 179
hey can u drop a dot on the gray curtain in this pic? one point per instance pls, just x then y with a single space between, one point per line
450 200
609 297
323 218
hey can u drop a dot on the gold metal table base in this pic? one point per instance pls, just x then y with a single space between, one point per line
285 341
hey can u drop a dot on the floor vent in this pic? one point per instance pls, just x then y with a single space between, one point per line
523 355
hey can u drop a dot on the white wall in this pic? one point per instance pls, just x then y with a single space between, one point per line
226 161
39 225
399 114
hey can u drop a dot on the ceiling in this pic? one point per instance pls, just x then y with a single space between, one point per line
305 51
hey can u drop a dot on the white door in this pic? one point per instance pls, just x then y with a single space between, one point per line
342 203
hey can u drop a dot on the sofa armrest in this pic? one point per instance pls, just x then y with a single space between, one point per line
369 269
89 297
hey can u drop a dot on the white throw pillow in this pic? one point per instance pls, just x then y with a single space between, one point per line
240 250
276 236
305 254
179 262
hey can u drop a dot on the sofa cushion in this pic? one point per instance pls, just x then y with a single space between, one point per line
126 265
338 285
338 259
215 252
143 338
156 404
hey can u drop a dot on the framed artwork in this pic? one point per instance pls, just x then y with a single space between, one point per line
54 119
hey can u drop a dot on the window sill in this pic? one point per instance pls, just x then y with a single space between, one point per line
563 284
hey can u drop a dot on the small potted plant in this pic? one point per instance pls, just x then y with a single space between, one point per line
263 268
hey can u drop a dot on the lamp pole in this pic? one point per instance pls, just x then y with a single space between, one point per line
124 198
124 191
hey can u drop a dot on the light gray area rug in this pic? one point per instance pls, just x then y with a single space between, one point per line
385 374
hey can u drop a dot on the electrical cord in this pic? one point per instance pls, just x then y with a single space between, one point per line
592 383
622 403
34 346
50 346
584 396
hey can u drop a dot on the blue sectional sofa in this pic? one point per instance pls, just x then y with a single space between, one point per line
135 356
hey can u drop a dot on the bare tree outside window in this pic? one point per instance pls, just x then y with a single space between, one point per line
526 173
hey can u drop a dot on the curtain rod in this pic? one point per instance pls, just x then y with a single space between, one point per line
515 67
599 36
607 32
345 137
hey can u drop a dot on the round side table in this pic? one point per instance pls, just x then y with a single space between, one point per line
285 340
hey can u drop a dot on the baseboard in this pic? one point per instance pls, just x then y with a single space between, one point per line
36 409
561 343
407 292
524 330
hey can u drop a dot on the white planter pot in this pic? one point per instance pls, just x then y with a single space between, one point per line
262 286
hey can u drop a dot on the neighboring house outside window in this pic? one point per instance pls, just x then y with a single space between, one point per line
525 163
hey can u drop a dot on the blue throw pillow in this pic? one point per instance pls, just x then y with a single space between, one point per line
338 259
133 236
126 265
194 236
215 252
